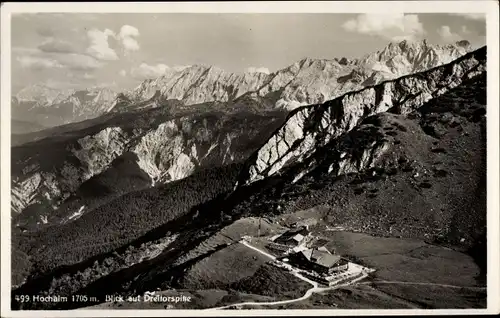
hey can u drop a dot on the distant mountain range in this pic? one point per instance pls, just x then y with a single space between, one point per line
48 107
308 81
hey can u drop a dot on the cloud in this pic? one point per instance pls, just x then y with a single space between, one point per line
45 31
130 44
180 67
465 30
471 16
395 27
99 46
56 46
78 61
61 85
88 76
258 70
128 31
446 34
37 59
123 73
127 37
37 63
81 75
145 71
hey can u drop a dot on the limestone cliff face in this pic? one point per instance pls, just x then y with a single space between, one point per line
198 84
47 172
309 128
317 80
306 82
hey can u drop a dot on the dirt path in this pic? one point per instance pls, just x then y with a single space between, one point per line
314 289
283 302
425 284
258 250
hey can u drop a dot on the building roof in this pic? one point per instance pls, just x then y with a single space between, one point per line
319 242
321 257
298 237
324 249
292 234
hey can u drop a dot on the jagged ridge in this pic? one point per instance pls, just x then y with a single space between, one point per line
308 81
308 128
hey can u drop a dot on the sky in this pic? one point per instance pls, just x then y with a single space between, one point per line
120 50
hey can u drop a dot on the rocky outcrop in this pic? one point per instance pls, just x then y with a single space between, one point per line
98 151
165 150
309 128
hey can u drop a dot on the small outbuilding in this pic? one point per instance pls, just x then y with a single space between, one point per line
293 237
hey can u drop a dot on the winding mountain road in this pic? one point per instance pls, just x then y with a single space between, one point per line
309 292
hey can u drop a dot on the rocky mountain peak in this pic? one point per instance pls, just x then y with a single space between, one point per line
307 81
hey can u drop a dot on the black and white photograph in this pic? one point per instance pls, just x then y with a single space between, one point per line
249 157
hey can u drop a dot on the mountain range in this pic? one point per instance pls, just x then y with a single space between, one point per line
308 81
156 187
47 107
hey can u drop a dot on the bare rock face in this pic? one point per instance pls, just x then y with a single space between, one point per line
163 156
99 150
49 172
92 153
309 128
306 82
317 81
198 84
